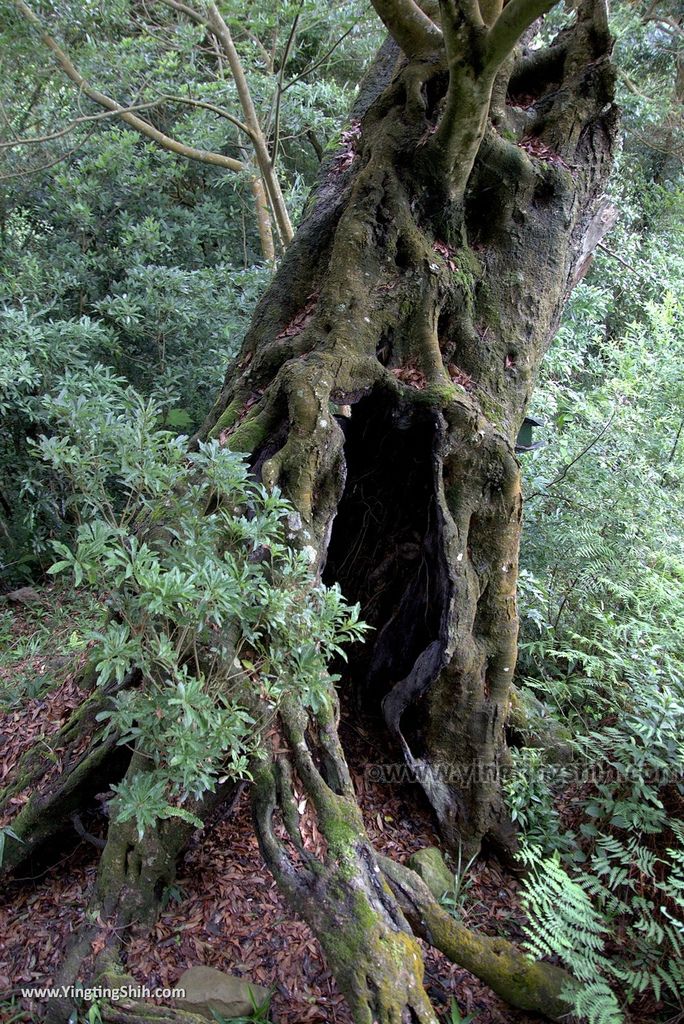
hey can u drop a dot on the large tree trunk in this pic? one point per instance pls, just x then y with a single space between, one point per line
387 372
382 386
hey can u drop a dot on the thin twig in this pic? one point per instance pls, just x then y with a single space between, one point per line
587 448
281 78
51 163
609 252
321 60
37 139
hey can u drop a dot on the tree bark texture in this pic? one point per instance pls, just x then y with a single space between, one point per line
388 369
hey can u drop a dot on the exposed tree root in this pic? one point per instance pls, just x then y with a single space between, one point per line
343 896
132 876
410 291
522 982
88 765
132 1011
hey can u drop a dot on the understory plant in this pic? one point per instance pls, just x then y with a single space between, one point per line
602 641
213 616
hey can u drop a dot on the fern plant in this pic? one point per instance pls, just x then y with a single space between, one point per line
563 923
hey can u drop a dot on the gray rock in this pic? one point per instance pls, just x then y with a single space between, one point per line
24 595
535 724
207 990
429 864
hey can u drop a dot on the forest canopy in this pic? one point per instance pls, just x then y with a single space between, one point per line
341 521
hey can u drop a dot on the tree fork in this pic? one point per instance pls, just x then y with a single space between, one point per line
343 897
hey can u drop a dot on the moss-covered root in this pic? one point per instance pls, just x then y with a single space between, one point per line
132 876
376 960
136 1011
527 984
133 1012
342 895
123 1009
379 969
50 809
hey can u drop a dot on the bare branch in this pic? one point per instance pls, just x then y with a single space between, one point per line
281 78
220 29
321 60
144 127
35 140
221 111
212 19
410 27
51 163
185 9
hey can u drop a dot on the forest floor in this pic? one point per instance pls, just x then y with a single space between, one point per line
224 909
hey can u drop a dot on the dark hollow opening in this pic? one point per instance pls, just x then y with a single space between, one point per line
385 547
87 804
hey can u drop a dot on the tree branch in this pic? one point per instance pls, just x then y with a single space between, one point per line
566 469
279 89
321 60
49 164
410 27
185 9
515 18
220 29
35 140
144 127
221 111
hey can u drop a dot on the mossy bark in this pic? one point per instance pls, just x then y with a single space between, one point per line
432 292
527 984
340 891
416 303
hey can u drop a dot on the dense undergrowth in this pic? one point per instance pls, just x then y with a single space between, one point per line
602 642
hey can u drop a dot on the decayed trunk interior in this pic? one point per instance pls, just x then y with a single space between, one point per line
382 386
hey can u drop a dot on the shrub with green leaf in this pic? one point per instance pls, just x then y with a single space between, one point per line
207 598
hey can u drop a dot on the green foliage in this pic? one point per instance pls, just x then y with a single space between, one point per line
259 1015
38 642
211 615
118 252
601 595
12 1013
563 923
453 899
34 354
4 832
455 1015
601 583
530 797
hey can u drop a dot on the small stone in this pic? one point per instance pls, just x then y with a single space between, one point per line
209 992
429 864
24 595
